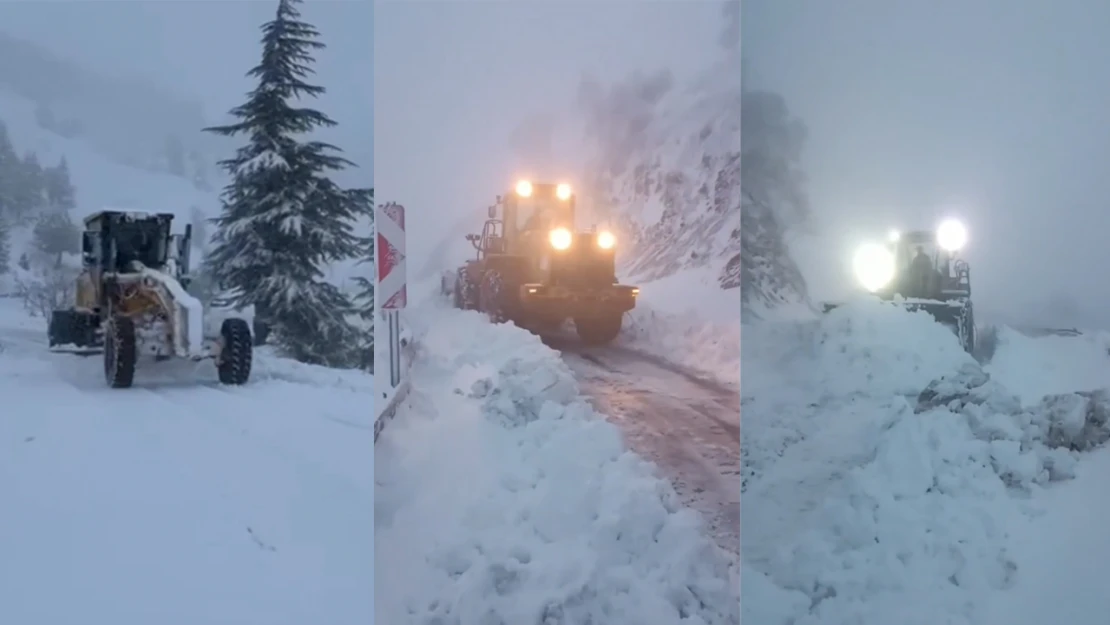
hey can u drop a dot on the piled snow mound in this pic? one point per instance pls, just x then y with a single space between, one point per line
866 345
687 319
887 348
1034 367
689 341
502 498
880 507
913 535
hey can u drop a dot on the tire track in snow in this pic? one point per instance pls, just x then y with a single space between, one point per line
688 425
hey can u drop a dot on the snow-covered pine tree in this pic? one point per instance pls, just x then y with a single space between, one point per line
60 193
9 173
283 218
55 233
29 190
5 245
364 299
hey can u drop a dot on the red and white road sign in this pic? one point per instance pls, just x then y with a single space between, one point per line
389 253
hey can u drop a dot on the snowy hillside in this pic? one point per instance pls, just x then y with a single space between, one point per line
130 121
774 203
103 183
888 478
666 170
181 501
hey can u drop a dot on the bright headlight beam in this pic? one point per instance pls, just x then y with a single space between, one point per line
560 238
606 240
563 192
873 265
524 188
951 235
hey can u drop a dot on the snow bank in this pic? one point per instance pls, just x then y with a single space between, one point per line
1034 367
864 345
502 498
180 500
883 508
686 318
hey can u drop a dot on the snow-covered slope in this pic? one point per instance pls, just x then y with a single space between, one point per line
884 469
1034 367
181 501
666 171
687 319
101 182
501 497
127 120
774 200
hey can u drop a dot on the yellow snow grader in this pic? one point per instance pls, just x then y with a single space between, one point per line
922 270
533 268
131 301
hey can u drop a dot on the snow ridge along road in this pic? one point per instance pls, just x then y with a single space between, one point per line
181 501
502 497
886 474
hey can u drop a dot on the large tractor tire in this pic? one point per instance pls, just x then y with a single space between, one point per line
466 292
120 354
72 327
492 297
598 330
969 333
234 364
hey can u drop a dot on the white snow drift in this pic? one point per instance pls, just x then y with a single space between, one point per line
502 498
181 501
881 464
687 319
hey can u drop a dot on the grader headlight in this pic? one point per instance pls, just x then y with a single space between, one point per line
874 266
563 192
560 238
606 240
524 188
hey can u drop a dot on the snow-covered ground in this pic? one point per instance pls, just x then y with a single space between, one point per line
687 319
502 496
889 479
181 501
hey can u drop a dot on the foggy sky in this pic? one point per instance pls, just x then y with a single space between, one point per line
455 81
992 110
202 49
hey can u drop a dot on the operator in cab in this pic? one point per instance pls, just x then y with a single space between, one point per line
921 275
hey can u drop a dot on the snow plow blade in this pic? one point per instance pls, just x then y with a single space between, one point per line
77 351
956 314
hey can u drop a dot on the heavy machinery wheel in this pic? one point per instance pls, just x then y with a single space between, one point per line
598 330
491 297
970 333
458 294
465 291
119 352
234 363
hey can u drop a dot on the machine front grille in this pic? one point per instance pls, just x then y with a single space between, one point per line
584 265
